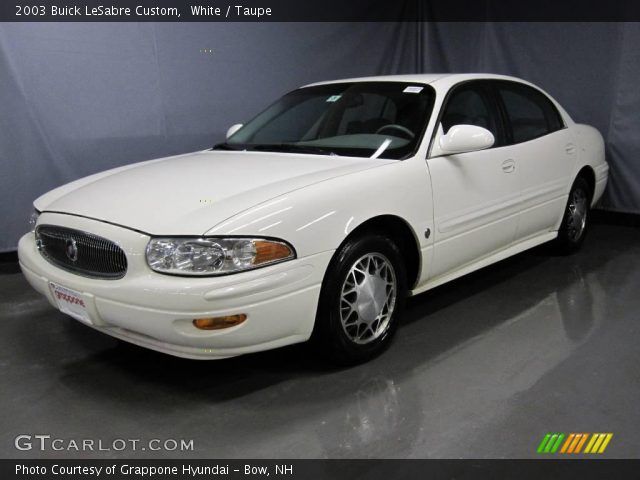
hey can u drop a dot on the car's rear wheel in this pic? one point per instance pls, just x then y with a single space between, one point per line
576 217
361 300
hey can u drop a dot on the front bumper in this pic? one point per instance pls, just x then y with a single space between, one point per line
156 311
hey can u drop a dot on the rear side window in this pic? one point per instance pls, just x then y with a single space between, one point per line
529 112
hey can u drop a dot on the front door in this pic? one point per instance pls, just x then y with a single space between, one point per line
475 194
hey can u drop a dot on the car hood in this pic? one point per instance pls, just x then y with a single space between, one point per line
189 194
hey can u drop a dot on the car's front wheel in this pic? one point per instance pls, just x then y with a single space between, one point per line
361 300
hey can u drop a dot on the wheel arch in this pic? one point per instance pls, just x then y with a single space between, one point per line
589 175
400 232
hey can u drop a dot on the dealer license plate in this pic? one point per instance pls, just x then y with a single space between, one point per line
70 302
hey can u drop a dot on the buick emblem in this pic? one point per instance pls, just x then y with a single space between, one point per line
71 249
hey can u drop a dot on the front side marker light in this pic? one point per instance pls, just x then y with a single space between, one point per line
267 252
218 323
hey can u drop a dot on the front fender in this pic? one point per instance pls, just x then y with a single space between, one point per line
319 217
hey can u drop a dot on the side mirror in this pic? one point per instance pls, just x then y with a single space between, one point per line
466 138
233 129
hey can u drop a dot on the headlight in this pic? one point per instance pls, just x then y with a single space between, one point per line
214 256
33 219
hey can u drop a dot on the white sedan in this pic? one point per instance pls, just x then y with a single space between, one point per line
318 217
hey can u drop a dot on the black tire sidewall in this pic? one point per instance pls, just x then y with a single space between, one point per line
328 330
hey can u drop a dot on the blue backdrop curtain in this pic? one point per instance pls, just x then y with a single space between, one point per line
77 98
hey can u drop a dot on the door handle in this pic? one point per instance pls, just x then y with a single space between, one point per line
570 148
508 166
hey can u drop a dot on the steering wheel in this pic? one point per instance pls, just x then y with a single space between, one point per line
395 126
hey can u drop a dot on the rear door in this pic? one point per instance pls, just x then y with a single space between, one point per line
475 194
544 152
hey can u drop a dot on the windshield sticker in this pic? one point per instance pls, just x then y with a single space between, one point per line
333 98
412 89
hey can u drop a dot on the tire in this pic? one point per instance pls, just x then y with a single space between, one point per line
576 217
361 300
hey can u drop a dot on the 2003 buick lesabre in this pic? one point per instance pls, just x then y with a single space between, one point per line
318 217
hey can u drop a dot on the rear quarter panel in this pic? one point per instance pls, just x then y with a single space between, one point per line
591 153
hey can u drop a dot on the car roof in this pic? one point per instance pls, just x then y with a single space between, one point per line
439 79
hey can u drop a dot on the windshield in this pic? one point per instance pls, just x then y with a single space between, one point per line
364 119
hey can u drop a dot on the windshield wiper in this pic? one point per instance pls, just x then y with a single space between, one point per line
290 147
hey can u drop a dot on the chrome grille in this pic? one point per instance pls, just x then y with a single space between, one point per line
81 252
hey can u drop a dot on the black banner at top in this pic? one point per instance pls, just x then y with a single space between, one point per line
318 11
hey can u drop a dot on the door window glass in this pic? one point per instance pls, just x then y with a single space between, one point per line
469 106
530 113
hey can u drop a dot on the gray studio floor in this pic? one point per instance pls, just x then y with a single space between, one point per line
483 367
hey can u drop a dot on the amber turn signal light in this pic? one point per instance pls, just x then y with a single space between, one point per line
217 323
267 251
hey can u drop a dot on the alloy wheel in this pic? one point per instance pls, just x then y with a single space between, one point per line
368 298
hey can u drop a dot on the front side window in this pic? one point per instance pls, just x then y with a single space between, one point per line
382 119
529 112
469 105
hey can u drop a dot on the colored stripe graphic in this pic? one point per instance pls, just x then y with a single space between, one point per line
597 443
550 443
543 443
603 447
574 444
568 442
557 444
581 443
